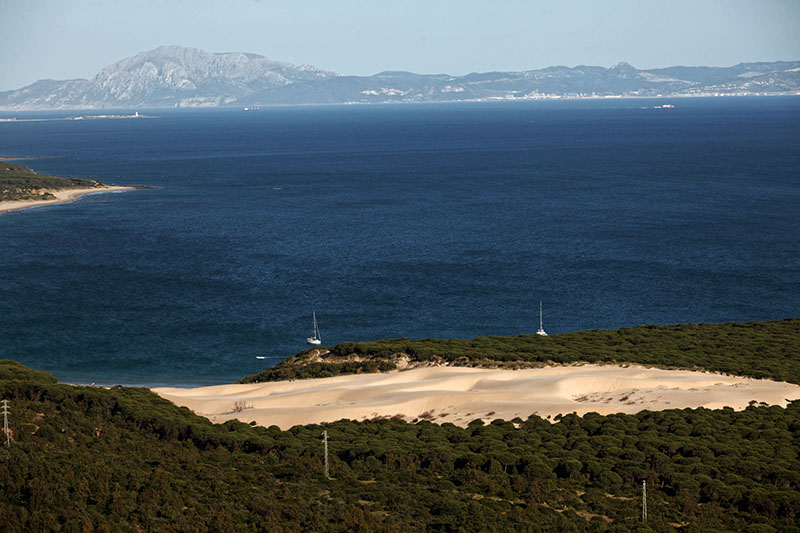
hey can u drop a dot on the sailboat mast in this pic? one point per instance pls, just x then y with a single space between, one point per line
540 316
541 324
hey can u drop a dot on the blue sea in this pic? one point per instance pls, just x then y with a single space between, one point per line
430 220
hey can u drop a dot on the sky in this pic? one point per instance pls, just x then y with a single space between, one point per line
62 39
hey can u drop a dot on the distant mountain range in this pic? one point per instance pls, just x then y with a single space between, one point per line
173 76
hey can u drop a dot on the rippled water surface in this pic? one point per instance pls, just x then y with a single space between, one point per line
389 221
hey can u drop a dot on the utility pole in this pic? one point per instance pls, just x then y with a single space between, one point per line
644 501
5 422
325 442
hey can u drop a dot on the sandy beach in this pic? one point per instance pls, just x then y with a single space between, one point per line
460 395
61 196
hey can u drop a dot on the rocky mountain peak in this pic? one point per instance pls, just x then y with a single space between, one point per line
624 66
176 76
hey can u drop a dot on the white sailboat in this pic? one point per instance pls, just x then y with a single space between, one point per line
315 338
541 329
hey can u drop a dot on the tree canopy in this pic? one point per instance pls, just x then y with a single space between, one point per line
124 459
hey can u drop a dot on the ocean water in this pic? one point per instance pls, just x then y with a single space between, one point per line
448 221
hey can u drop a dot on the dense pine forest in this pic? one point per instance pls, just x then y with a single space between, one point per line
124 459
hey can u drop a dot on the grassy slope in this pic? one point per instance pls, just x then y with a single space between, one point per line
18 182
123 459
756 349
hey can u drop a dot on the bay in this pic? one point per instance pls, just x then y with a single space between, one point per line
434 220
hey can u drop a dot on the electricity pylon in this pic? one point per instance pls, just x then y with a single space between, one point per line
644 501
325 442
5 422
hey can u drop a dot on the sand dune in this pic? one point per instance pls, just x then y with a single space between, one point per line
460 395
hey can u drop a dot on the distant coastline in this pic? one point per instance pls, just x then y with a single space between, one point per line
490 99
135 115
179 77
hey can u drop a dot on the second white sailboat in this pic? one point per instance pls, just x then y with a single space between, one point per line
315 338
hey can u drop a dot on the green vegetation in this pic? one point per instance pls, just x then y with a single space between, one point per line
123 459
286 372
755 349
18 182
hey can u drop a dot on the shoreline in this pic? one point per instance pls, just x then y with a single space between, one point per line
459 395
62 196
78 117
235 107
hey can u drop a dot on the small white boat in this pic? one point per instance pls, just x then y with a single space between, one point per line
315 338
261 357
541 329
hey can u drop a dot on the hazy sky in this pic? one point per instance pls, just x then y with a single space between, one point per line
75 38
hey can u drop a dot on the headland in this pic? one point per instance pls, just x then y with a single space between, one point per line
458 381
22 187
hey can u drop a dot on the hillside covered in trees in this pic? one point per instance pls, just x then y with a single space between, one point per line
754 349
123 459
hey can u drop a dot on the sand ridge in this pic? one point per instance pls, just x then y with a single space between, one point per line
460 395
